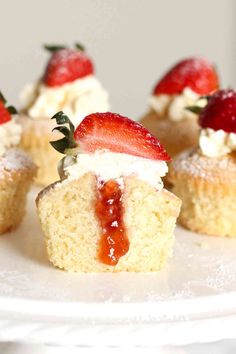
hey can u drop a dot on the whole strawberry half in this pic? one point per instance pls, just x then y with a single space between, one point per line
5 111
118 134
195 73
67 65
5 116
220 112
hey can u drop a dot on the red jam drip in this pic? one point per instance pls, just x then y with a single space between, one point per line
114 242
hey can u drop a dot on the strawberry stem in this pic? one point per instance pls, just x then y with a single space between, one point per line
54 48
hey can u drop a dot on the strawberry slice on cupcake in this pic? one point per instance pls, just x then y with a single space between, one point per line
109 131
9 126
67 65
220 112
185 84
5 115
197 74
6 112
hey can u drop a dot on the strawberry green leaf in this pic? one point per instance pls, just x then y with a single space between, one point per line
194 109
64 130
60 145
80 47
61 118
12 110
198 109
207 97
2 98
68 142
54 48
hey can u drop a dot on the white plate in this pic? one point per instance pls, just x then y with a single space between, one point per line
184 303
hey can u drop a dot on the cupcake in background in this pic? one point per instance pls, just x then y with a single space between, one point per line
204 178
183 85
68 84
17 170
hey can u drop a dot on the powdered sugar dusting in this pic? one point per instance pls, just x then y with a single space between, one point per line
227 94
197 165
193 64
62 56
14 159
69 64
196 73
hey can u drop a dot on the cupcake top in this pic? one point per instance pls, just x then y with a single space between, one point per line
218 124
10 129
215 158
183 85
67 84
11 158
220 169
110 146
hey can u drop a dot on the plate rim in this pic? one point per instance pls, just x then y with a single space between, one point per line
158 311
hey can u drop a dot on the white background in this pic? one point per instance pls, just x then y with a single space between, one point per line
131 41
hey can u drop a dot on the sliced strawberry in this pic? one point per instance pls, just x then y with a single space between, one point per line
5 116
220 112
119 134
195 73
67 65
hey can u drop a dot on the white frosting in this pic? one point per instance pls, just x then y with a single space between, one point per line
174 106
77 99
109 165
10 134
214 143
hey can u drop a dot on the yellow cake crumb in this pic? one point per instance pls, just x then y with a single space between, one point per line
207 188
72 231
17 172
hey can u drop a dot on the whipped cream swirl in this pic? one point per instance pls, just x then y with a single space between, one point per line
10 134
109 165
174 106
214 143
77 99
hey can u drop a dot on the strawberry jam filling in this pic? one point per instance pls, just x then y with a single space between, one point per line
114 242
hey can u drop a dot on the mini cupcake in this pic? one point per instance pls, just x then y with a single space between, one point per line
205 177
109 212
16 170
184 85
68 83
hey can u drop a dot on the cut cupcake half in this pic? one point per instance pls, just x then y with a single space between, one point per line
109 212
